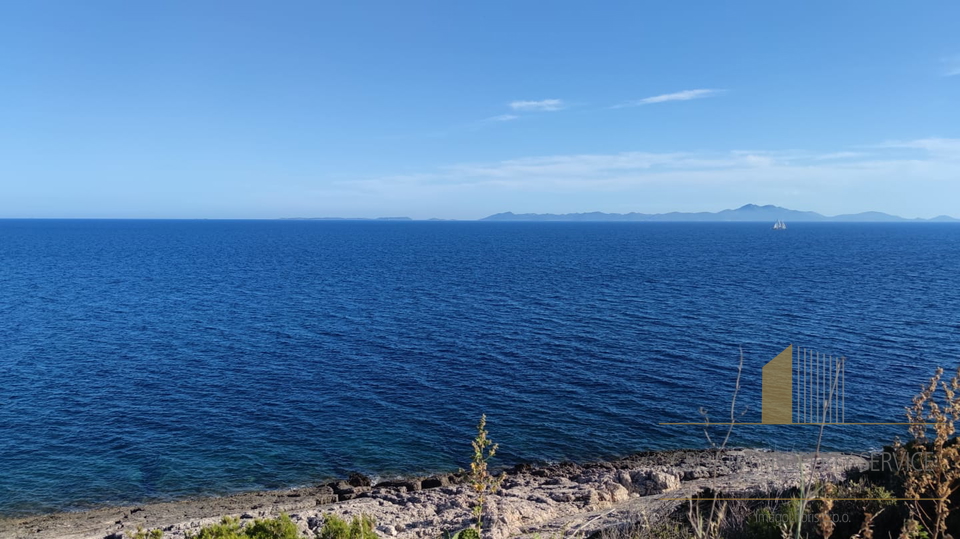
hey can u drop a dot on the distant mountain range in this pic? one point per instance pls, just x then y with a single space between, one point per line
747 213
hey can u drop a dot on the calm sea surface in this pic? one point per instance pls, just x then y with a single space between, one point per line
144 360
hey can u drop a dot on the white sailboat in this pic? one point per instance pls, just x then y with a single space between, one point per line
779 225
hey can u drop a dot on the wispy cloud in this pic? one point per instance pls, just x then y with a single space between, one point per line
685 95
838 180
951 66
501 118
545 105
941 147
838 155
936 161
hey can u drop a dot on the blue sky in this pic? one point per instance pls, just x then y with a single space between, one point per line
237 109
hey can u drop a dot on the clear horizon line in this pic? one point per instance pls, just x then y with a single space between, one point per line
826 220
683 216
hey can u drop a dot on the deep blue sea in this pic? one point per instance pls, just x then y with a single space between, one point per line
146 360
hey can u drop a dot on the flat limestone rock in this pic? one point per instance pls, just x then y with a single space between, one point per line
533 499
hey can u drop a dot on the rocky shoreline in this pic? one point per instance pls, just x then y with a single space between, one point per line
544 499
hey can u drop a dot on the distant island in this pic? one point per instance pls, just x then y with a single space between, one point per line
744 214
747 213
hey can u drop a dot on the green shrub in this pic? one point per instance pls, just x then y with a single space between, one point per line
143 534
762 524
230 528
334 527
276 528
467 533
667 530
481 480
791 512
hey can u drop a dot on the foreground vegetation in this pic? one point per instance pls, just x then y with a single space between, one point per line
282 527
909 492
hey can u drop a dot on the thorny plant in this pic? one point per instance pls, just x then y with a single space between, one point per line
866 529
825 522
708 526
930 466
481 480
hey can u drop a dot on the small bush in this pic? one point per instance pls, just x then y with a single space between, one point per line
334 527
143 534
468 533
230 528
276 528
668 530
762 524
481 480
643 529
933 484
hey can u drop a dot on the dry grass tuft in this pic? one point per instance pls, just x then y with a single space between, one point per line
930 465
481 480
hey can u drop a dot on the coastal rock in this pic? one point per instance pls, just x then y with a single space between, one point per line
624 478
697 473
340 486
663 482
432 482
617 492
324 499
359 480
649 483
409 485
389 531
352 492
439 481
545 500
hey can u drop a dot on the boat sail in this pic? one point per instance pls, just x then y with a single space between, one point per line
779 225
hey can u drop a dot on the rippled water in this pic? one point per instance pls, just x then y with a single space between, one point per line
154 359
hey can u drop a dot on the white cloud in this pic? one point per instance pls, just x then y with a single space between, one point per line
628 171
951 66
940 147
685 95
545 105
502 118
907 177
838 155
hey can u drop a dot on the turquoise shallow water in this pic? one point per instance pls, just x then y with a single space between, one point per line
147 360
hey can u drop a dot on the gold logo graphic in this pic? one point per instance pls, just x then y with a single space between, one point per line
805 387
801 387
777 402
